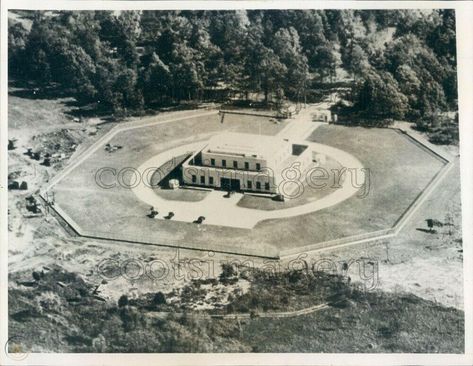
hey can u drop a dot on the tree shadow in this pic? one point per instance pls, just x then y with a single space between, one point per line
78 108
29 90
426 230
24 315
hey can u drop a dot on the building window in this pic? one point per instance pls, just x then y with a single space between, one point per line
258 166
194 178
212 161
249 184
247 165
224 163
202 180
266 186
211 181
235 164
258 185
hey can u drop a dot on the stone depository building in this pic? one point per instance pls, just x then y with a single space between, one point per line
244 162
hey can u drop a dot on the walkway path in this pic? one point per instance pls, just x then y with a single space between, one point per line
301 126
241 316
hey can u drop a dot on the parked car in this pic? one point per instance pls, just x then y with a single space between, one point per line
199 220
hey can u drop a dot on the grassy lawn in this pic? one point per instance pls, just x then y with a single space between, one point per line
400 170
172 170
309 193
102 211
182 194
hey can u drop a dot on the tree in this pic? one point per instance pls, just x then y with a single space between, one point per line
127 30
118 62
36 276
379 97
156 80
410 85
228 32
287 47
159 298
126 88
312 27
442 39
420 74
188 73
38 42
130 318
324 61
123 301
77 70
265 71
228 271
356 60
17 37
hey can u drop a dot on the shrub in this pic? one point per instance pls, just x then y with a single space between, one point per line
442 130
159 299
228 272
123 301
295 276
444 135
49 302
130 318
99 344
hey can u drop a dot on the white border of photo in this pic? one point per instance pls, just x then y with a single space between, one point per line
464 22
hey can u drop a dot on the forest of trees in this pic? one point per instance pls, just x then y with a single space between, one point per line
127 60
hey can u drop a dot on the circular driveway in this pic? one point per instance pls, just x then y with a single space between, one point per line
225 212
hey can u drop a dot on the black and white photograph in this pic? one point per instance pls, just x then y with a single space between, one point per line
276 181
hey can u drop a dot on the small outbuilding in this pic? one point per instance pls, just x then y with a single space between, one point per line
173 184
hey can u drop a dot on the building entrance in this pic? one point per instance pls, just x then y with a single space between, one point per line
228 184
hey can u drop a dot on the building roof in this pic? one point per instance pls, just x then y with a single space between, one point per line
245 144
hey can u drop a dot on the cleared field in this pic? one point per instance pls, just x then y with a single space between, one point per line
34 116
399 170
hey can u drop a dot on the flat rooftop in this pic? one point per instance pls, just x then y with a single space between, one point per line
245 144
